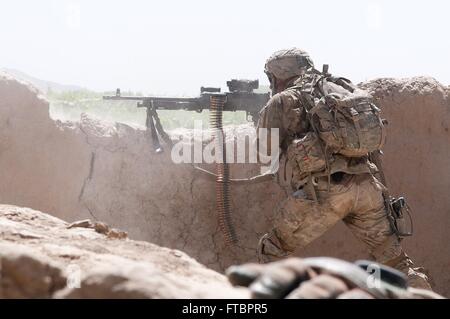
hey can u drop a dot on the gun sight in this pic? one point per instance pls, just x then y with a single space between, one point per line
243 85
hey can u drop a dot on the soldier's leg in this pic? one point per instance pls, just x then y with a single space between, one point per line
369 222
300 220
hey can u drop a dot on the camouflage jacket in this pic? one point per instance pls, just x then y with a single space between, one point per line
286 112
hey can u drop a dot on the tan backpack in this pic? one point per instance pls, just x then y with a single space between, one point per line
344 117
344 120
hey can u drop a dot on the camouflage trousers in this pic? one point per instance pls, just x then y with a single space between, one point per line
356 200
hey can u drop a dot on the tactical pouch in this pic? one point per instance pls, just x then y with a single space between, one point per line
399 209
306 153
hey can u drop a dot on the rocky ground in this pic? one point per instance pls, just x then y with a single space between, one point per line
42 257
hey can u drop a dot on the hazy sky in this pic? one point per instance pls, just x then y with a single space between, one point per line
174 47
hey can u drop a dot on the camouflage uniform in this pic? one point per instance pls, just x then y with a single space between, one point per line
353 195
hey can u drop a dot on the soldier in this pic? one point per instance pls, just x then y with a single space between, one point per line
330 186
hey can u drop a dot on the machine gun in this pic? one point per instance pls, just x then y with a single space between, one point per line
241 97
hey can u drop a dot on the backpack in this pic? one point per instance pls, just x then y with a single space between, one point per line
344 120
344 117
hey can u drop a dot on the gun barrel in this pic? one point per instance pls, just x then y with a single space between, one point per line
235 101
163 103
154 99
124 98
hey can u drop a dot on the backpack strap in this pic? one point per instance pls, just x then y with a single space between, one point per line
383 133
355 118
310 187
324 152
310 109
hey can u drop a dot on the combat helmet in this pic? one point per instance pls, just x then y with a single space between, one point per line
285 64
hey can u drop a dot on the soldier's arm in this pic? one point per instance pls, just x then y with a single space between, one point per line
270 118
285 112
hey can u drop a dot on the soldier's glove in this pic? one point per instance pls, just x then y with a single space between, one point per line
313 278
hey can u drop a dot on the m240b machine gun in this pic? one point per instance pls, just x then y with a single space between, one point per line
241 97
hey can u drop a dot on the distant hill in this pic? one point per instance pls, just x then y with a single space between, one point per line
42 85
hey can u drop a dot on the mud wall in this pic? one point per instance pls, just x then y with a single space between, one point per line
107 171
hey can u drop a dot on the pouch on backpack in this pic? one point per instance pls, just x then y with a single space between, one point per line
346 119
307 154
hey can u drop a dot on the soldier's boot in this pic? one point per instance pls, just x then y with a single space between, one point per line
416 275
269 249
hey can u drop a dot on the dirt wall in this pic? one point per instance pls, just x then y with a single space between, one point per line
107 171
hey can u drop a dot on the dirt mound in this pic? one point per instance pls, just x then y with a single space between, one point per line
108 171
43 257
